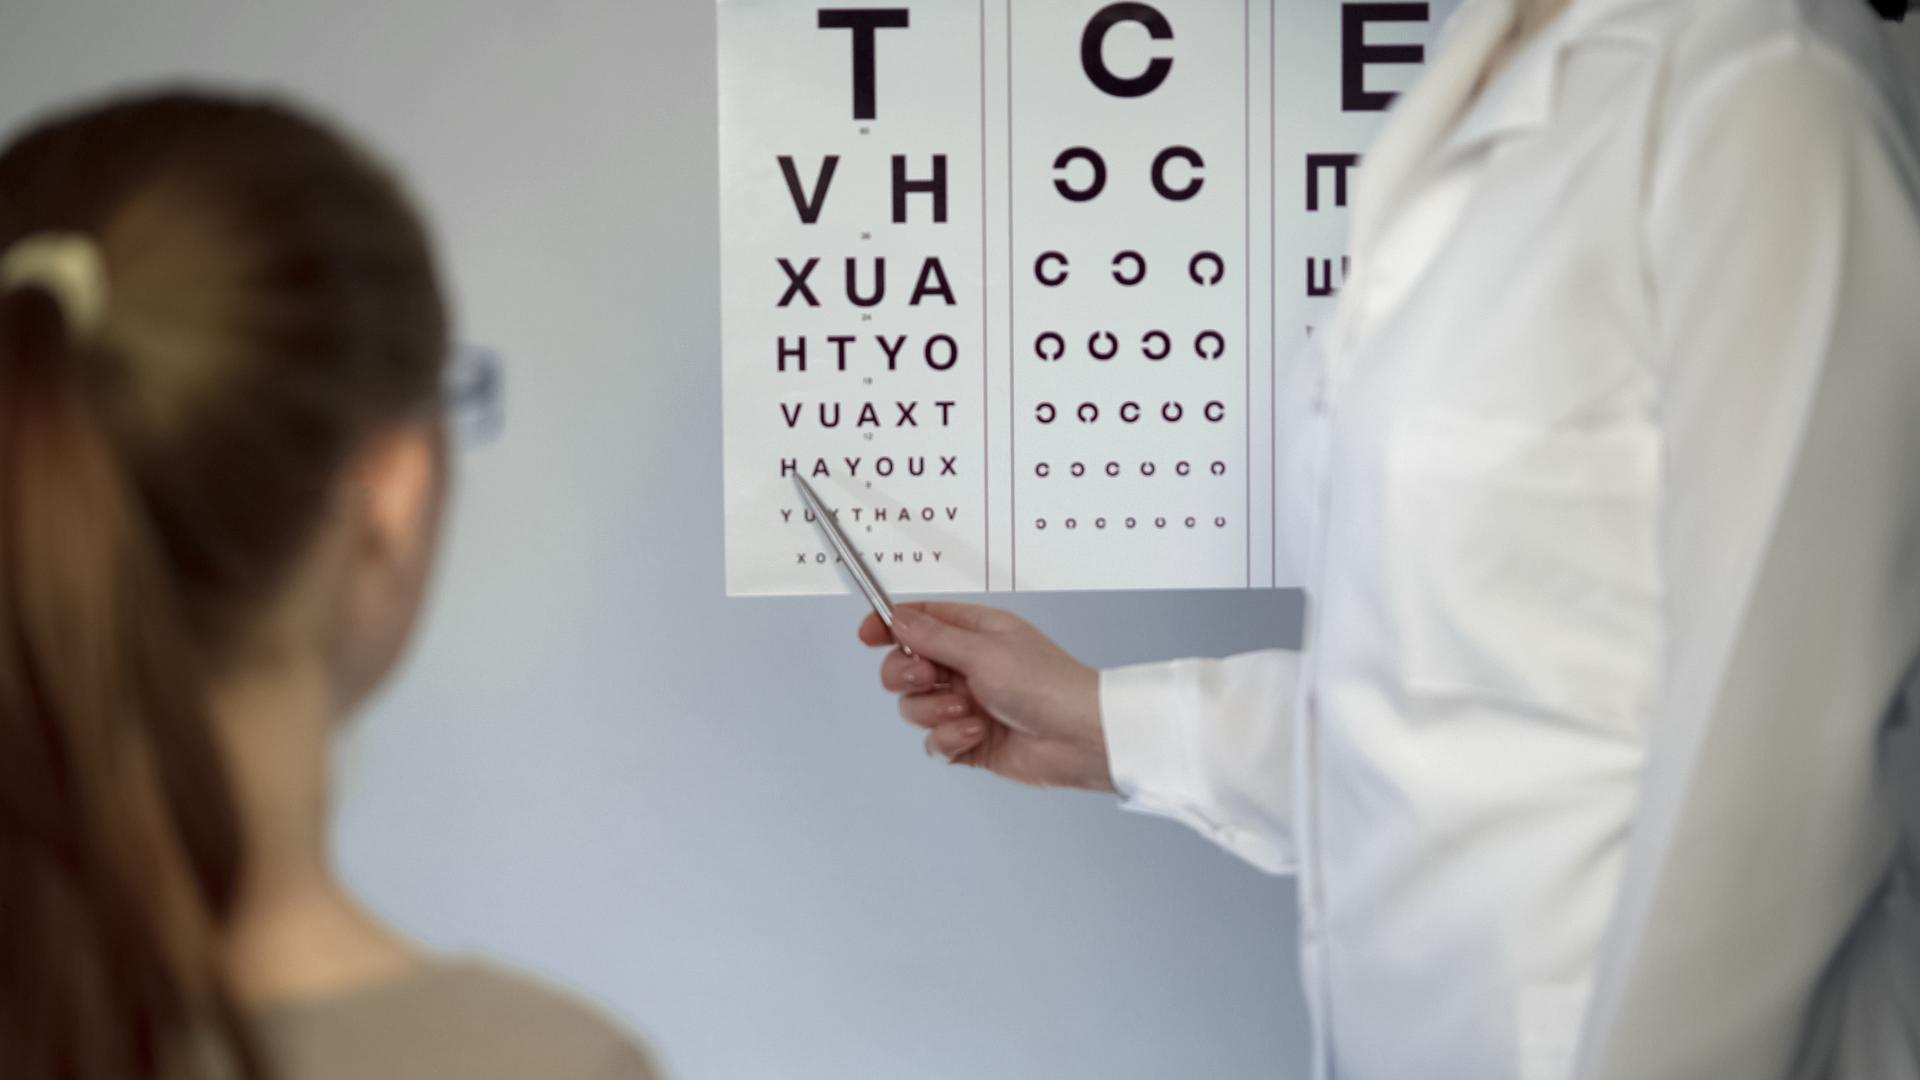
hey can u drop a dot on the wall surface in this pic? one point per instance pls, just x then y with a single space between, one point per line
1906 38
701 812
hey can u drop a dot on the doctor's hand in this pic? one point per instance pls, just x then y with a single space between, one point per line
995 693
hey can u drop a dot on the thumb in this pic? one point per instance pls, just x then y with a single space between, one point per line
940 641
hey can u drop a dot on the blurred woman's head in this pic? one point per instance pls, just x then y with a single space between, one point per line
221 348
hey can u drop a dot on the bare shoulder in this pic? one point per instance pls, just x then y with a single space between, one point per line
463 1018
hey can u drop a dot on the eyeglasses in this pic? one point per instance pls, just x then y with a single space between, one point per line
472 395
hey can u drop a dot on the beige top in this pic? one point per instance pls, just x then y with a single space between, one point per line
460 1019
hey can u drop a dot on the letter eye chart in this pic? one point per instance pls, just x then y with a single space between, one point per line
1017 285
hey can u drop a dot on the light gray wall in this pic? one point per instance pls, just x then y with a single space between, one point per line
1906 37
699 811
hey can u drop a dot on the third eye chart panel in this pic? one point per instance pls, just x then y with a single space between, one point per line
1017 284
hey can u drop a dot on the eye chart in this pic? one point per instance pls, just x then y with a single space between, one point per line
1017 285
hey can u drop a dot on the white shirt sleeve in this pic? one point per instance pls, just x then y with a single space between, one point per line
1784 259
1209 743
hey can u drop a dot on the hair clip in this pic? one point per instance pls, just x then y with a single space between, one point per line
66 266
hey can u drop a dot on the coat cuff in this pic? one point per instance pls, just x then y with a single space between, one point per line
1154 718
1141 712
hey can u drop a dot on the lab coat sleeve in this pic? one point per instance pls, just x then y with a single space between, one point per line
1783 249
1209 743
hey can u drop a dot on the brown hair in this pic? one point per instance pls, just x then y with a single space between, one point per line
272 305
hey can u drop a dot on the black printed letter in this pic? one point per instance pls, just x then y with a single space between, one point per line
902 187
1167 191
863 22
1339 163
809 206
1356 54
797 283
931 271
1094 38
1091 157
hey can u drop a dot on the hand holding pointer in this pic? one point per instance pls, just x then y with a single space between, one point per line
994 693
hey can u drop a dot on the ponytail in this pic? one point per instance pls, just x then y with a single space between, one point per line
208 305
118 837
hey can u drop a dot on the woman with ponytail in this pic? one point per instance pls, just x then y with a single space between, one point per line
222 462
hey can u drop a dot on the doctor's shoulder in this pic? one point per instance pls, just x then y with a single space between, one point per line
463 1018
1804 64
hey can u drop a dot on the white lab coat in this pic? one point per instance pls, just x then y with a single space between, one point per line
1607 489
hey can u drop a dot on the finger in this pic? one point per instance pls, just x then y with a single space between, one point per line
980 757
874 632
903 674
932 710
966 616
949 644
955 739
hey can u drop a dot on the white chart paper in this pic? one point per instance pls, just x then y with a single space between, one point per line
1017 284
